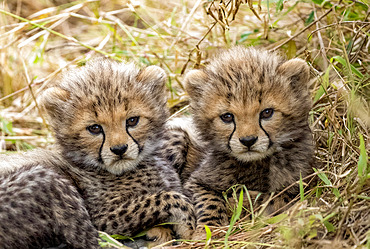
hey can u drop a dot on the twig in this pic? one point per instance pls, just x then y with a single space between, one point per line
322 46
306 28
29 83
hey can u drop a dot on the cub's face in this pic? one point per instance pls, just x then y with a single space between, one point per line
250 103
107 114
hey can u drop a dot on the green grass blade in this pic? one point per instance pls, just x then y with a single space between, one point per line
342 61
277 218
326 180
208 233
324 85
250 203
235 217
109 241
363 160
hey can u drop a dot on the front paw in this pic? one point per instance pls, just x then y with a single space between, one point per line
158 235
201 234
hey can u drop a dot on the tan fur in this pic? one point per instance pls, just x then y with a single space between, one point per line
264 153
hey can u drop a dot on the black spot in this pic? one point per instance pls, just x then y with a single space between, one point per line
148 222
176 143
158 202
137 207
111 217
207 219
116 202
167 207
166 137
211 207
176 205
190 225
103 227
114 225
122 212
176 196
171 157
42 174
147 203
156 214
177 166
127 218
199 206
184 208
142 215
13 204
166 197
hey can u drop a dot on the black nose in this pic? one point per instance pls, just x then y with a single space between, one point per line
248 141
119 149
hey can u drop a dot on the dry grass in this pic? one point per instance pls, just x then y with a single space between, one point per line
39 39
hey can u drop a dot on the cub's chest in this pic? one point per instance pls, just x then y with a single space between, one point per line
255 176
127 185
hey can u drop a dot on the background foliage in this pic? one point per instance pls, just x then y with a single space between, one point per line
40 39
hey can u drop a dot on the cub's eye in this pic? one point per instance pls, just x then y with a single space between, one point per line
227 117
131 122
267 113
95 129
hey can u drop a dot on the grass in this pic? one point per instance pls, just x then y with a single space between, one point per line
40 39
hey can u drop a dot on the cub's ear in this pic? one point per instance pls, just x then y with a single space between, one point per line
194 83
297 72
153 77
53 98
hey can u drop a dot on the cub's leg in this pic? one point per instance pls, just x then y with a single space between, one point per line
40 208
146 211
265 202
210 208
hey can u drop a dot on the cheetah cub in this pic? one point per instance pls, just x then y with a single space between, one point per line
105 173
251 107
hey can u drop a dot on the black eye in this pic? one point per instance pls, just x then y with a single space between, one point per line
131 122
267 113
95 129
227 118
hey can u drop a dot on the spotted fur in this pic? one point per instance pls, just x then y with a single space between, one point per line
108 120
251 108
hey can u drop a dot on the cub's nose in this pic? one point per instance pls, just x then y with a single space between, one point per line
119 150
248 141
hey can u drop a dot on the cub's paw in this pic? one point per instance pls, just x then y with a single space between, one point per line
158 235
201 234
277 205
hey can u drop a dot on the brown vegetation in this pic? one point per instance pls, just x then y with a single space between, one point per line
39 39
